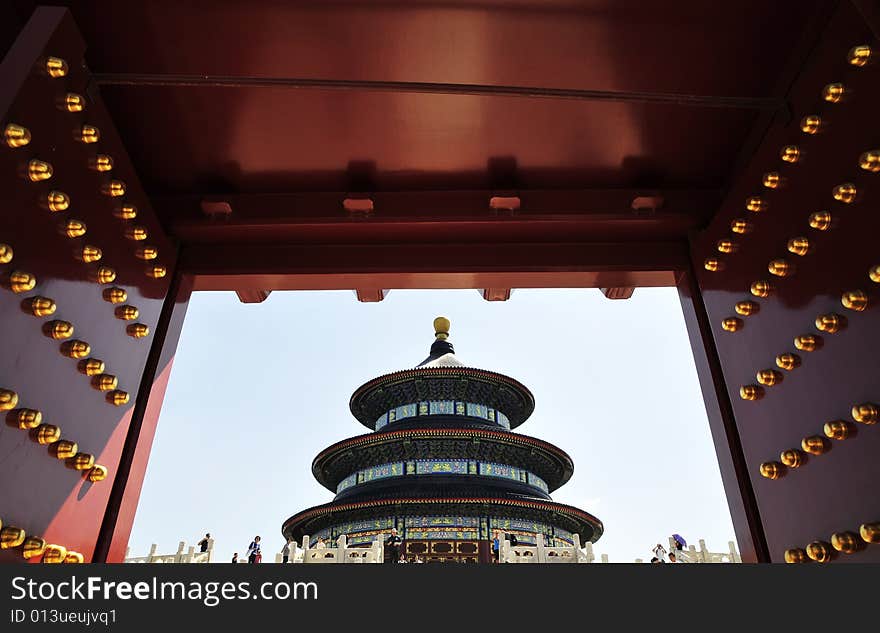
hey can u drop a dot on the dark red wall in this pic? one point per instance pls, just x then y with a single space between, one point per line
39 493
833 492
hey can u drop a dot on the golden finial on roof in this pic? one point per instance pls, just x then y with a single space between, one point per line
441 328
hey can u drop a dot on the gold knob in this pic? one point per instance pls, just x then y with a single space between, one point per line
90 366
136 233
39 306
741 226
20 281
761 289
56 67
57 201
126 212
859 55
11 536
97 473
89 254
74 102
24 419
89 134
104 382
772 180
46 434
866 413
788 361
845 193
833 93
799 246
772 470
81 461
16 135
874 274
105 275
102 163
870 160
62 449
792 458
837 429
746 308
808 342
126 313
796 555
75 349
820 220
58 330
54 554
74 558
146 253
846 542
114 295
780 268
830 323
157 271
855 300
33 546
756 204
769 377
114 189
713 265
6 253
790 154
731 324
819 551
751 392
117 397
74 228
870 532
814 444
727 246
8 399
39 170
811 124
137 330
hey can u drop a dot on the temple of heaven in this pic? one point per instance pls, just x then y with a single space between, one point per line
443 466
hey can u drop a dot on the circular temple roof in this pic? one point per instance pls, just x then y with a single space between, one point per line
588 527
441 376
339 460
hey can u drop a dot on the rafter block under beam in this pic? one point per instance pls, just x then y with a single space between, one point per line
618 293
495 294
370 295
253 296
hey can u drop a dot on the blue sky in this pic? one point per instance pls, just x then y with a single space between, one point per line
257 390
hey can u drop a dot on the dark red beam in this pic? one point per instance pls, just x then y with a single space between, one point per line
532 92
436 216
240 266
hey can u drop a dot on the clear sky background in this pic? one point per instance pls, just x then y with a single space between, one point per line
257 390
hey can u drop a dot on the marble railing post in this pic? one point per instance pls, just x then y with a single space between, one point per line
542 554
604 558
378 548
586 554
305 549
341 553
152 555
704 553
